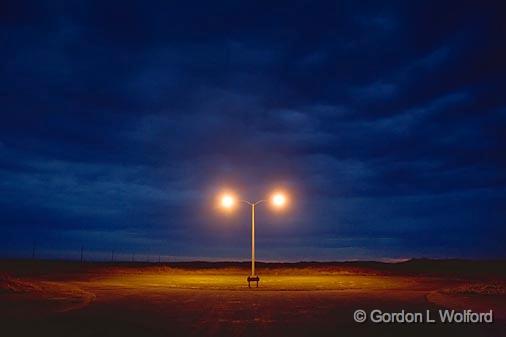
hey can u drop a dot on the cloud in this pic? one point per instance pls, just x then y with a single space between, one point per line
374 91
383 127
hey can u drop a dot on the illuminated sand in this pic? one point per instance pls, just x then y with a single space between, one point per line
162 301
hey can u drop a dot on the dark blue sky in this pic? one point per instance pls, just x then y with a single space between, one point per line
386 122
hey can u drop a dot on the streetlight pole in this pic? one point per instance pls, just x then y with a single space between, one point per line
253 277
253 240
228 200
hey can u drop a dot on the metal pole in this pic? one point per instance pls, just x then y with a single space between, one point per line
253 240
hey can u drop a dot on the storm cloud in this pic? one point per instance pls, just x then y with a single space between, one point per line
121 120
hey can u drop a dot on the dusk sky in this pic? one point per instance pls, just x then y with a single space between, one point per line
385 121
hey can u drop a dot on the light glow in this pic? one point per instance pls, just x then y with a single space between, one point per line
227 201
279 200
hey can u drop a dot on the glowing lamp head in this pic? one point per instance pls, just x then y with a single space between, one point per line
279 200
227 201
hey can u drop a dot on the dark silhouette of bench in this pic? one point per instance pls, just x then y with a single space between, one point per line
253 279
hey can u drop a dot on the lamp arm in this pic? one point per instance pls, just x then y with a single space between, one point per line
253 203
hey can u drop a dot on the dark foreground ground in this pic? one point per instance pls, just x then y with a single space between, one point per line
49 298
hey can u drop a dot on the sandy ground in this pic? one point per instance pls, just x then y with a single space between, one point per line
217 302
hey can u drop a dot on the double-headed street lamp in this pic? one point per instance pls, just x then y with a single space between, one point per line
228 201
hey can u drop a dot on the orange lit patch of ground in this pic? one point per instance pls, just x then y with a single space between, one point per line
166 301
